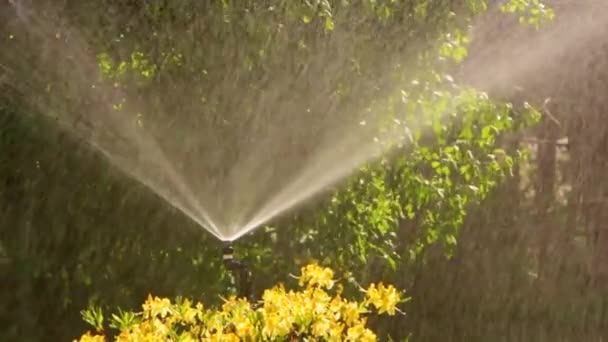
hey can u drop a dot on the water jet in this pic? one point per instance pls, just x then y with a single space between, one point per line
262 153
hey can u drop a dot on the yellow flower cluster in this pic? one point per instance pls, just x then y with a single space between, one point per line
384 298
312 313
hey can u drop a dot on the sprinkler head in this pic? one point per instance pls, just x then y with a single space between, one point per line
228 253
238 269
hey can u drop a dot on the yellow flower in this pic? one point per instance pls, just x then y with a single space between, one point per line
159 328
301 306
335 331
187 337
244 328
157 306
350 312
384 298
189 315
311 311
135 333
91 338
315 275
321 327
229 304
272 298
220 337
276 326
360 333
321 300
335 307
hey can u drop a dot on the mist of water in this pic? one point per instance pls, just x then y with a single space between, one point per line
106 130
259 149
508 58
272 149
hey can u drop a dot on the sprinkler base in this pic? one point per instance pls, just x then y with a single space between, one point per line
240 271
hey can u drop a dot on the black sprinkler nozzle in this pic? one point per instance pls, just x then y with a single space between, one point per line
240 271
228 256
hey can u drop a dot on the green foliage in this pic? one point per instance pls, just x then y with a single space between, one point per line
530 12
94 317
452 162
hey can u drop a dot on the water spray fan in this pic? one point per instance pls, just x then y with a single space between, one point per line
239 270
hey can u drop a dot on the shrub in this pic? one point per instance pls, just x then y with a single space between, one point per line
316 311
